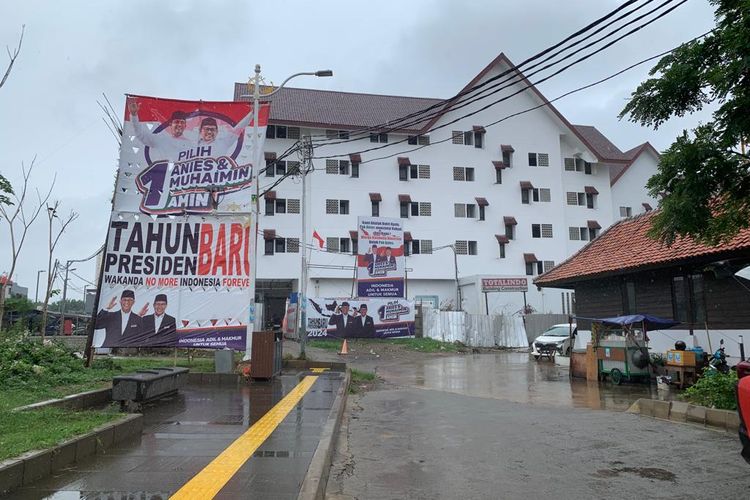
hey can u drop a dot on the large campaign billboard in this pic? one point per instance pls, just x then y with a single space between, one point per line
174 272
359 318
380 259
182 157
179 282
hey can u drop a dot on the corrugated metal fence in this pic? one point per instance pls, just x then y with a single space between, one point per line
476 330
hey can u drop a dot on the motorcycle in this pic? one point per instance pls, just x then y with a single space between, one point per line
718 361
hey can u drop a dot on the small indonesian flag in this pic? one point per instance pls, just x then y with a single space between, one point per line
318 238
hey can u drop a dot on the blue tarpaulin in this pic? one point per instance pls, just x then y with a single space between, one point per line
650 322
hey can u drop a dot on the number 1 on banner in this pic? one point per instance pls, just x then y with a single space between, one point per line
153 179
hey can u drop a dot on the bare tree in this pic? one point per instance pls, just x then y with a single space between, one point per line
12 56
19 218
54 238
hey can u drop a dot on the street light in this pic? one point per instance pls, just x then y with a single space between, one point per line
36 297
256 206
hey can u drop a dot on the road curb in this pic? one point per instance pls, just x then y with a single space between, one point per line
678 411
316 479
38 464
74 401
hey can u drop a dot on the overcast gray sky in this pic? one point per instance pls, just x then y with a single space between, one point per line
76 50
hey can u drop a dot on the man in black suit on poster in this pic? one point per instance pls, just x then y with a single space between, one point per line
159 329
123 327
364 325
342 320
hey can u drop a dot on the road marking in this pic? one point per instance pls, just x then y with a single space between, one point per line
208 482
319 370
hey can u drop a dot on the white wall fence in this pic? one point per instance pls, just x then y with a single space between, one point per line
475 330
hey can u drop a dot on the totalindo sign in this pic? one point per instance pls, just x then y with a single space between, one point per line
505 285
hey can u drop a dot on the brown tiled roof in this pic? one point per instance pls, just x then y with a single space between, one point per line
603 147
625 247
345 110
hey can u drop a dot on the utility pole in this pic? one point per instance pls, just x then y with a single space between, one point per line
64 296
306 165
36 296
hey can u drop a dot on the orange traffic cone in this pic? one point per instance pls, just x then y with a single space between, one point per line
344 348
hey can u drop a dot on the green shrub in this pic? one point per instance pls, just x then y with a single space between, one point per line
25 362
714 390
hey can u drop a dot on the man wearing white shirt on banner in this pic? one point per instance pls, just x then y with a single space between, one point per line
159 329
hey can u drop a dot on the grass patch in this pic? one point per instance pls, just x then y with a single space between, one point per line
425 344
361 381
327 344
24 431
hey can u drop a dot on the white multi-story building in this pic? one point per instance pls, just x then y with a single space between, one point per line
514 188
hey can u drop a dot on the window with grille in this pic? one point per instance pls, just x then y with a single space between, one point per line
378 137
425 246
548 264
626 211
570 164
574 234
425 208
292 206
462 247
459 174
275 167
421 140
292 245
292 132
424 171
546 230
538 160
292 167
332 244
337 134
282 132
337 207
458 137
340 167
459 209
571 198
332 166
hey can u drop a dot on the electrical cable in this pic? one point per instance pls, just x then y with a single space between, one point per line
519 66
579 60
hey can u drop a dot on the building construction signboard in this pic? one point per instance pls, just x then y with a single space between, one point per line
380 257
505 285
359 318
173 274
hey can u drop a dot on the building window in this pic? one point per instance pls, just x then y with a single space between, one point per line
340 167
376 209
280 245
541 194
479 140
457 137
270 206
292 245
507 158
276 167
378 137
292 206
593 233
546 230
332 244
570 164
538 160
502 250
343 167
355 169
587 168
548 264
269 246
498 176
425 209
464 247
688 299
344 245
421 140
467 210
403 172
590 199
282 132
541 230
405 209
463 173
337 134
509 231
525 196
425 246
626 211
468 138
481 212
280 206
337 207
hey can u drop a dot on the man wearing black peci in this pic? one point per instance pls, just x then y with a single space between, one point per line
121 327
364 325
159 329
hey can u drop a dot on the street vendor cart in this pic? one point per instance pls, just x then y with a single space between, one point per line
621 345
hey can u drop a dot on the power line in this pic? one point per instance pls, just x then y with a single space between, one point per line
581 59
519 77
519 66
566 94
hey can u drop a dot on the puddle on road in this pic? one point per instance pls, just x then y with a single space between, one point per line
644 472
516 377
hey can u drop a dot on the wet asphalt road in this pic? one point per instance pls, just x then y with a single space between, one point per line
501 426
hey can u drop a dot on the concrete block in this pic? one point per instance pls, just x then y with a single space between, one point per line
105 439
733 421
661 409
36 465
63 455
11 475
647 407
696 414
86 446
716 418
678 413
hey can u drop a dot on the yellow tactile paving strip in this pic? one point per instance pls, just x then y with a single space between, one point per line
318 370
209 481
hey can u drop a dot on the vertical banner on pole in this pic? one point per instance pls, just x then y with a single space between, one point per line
380 260
174 274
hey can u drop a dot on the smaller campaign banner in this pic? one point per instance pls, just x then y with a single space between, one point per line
380 260
359 318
